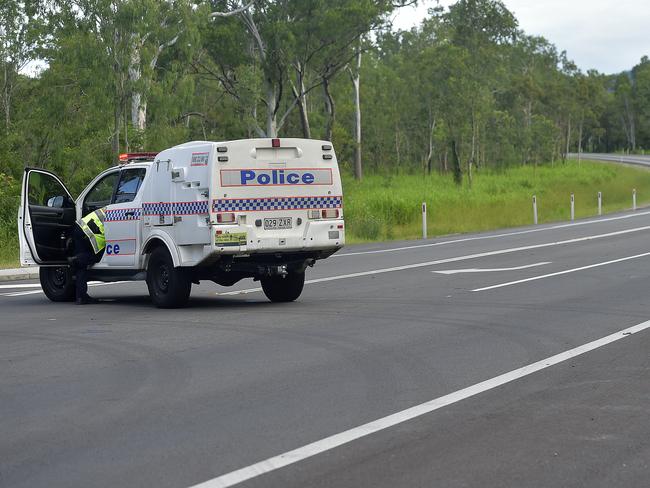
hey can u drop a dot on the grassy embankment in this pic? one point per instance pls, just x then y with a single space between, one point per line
383 207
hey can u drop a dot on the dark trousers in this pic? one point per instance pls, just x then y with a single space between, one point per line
84 257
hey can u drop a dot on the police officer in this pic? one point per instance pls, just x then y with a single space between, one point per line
89 244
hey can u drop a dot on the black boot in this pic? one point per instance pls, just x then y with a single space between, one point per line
86 300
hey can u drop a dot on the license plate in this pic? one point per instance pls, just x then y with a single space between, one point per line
277 223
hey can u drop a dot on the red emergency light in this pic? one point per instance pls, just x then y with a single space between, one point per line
140 156
275 142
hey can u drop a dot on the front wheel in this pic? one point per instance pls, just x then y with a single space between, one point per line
283 289
169 287
57 283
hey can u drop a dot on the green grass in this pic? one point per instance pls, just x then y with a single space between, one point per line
9 202
9 245
389 207
8 253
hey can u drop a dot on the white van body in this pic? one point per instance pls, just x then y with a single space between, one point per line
260 208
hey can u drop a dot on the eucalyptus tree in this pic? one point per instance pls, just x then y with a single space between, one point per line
481 31
156 26
22 31
641 93
624 109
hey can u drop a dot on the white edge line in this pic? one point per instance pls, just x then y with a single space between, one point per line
495 236
30 285
452 260
33 292
567 271
489 270
331 442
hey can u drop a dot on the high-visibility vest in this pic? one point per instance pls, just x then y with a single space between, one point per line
94 231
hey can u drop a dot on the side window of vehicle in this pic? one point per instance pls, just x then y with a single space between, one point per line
130 183
45 191
100 195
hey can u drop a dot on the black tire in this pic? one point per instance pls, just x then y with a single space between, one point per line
287 289
57 283
169 287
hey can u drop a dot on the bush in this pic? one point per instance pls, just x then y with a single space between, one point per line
9 203
365 227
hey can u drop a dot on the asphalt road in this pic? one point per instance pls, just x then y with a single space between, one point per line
121 394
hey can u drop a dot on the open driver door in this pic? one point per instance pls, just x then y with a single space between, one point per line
46 219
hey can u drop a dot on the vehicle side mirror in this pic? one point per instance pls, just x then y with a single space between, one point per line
56 202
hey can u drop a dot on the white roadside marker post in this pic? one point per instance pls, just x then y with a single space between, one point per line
634 199
424 220
535 209
600 203
573 208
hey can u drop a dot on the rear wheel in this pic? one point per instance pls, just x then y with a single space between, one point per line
169 287
283 289
57 283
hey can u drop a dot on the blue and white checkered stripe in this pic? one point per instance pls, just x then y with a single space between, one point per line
115 215
190 208
161 208
277 203
176 208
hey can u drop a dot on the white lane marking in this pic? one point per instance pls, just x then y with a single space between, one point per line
238 292
31 285
453 260
496 236
336 440
22 293
488 270
33 292
567 271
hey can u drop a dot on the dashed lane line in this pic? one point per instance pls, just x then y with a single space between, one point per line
489 270
452 260
567 271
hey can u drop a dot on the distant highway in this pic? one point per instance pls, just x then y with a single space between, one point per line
515 358
617 158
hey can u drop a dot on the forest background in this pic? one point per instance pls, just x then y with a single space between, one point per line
463 95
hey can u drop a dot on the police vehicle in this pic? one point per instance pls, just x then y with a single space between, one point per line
223 211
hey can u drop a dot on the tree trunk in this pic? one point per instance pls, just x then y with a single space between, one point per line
470 161
126 128
628 124
355 76
271 102
117 118
580 139
432 128
135 74
455 161
301 100
6 102
330 108
397 146
568 139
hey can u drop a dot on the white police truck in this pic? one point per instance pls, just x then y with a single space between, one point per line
222 211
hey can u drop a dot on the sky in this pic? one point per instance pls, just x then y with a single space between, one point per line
610 36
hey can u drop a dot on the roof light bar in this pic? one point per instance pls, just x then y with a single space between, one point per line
141 156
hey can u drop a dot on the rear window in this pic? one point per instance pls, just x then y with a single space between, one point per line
130 183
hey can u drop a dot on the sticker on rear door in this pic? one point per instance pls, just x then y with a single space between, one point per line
230 239
276 177
200 159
